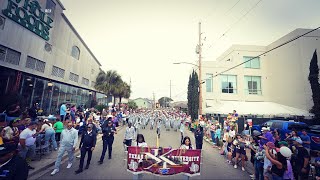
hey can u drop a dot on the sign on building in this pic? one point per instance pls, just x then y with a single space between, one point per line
29 15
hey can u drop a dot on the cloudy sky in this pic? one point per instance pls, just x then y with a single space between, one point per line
141 39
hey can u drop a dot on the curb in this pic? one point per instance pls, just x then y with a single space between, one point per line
65 156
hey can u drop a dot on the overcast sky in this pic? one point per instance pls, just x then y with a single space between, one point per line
141 39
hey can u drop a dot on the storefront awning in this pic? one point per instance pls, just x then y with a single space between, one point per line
254 108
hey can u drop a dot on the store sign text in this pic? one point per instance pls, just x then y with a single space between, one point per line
30 16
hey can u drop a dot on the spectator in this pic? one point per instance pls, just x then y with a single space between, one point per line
212 130
305 140
69 140
279 161
27 142
240 152
266 136
49 134
73 113
13 167
24 124
317 166
63 112
11 132
13 111
301 166
33 112
58 127
218 137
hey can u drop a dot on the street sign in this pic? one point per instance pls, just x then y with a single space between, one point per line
163 161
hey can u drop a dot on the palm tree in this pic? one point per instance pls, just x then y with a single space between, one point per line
123 91
108 82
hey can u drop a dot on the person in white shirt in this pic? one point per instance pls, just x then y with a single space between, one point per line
27 142
186 143
140 141
129 135
232 133
69 140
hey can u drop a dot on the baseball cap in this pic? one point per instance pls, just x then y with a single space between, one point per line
90 125
285 143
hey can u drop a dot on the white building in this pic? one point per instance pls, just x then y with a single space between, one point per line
273 84
42 56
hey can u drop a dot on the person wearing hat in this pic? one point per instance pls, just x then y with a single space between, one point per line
266 136
12 166
27 142
87 145
107 138
301 166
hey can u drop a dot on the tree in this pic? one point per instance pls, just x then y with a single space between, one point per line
315 86
132 105
193 96
108 82
123 90
164 101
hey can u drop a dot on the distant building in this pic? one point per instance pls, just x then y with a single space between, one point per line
273 84
143 103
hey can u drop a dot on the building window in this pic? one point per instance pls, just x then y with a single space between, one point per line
50 8
85 81
209 79
253 85
58 72
10 56
253 63
74 77
75 52
229 84
35 64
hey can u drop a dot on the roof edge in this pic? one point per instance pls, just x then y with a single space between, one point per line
78 35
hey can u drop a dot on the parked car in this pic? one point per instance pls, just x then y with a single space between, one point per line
288 126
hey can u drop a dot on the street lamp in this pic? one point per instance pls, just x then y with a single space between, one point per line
200 83
186 63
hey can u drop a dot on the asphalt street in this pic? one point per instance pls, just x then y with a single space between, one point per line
213 167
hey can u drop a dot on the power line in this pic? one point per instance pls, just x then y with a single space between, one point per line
223 34
268 51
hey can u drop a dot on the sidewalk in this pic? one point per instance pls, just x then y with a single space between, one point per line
248 165
48 160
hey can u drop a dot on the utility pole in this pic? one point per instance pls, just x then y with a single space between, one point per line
200 83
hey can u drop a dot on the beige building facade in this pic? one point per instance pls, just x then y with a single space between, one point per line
279 77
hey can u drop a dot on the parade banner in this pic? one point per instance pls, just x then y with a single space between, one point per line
163 161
